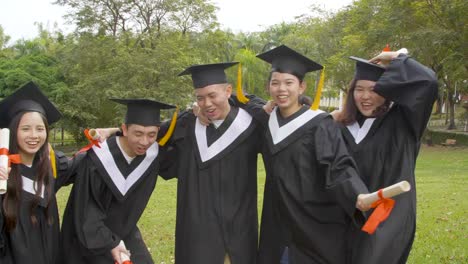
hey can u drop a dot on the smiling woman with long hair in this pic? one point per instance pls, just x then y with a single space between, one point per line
29 218
385 114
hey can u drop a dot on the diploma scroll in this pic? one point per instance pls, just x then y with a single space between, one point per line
4 147
390 191
94 134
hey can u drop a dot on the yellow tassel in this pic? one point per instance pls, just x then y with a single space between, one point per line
169 132
240 94
318 94
52 161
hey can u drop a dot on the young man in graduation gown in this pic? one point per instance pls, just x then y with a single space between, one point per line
217 176
112 189
383 121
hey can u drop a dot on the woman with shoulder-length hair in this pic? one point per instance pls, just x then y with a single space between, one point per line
385 114
29 220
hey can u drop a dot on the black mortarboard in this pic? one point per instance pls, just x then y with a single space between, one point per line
28 98
286 60
143 112
208 74
366 70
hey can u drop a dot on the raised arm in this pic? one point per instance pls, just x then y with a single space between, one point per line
412 86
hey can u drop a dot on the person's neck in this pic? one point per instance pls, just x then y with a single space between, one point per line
287 112
124 144
26 158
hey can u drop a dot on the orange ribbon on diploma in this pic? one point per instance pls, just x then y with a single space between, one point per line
383 208
93 138
5 158
12 158
383 205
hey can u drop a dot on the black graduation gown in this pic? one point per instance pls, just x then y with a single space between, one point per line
386 154
217 190
106 202
39 243
310 191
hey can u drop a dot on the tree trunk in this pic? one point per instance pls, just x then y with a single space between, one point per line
439 104
450 108
63 136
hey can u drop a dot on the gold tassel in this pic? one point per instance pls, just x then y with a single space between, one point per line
240 94
52 161
169 132
318 94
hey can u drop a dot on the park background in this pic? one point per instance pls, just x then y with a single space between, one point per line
136 48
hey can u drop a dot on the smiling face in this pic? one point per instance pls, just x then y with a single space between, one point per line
366 100
285 90
31 135
138 138
213 100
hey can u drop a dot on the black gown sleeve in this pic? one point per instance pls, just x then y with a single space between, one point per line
412 86
255 108
90 211
66 168
340 170
169 163
170 160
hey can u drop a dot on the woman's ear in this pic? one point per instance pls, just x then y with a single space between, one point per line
302 87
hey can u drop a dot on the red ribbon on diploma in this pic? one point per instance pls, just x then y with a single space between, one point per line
92 142
383 208
14 158
387 48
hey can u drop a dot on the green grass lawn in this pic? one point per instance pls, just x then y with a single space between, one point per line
441 235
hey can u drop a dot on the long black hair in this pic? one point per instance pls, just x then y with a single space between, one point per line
11 202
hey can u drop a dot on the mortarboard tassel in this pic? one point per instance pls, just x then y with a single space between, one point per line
52 161
318 94
169 132
240 94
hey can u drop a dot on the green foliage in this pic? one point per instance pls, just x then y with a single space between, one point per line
136 48
439 136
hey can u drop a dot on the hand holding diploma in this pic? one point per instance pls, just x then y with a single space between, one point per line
101 134
390 191
120 254
382 203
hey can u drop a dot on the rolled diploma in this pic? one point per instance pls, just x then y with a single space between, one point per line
124 257
390 191
94 134
4 143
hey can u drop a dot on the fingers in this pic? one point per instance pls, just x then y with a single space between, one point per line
269 106
4 173
361 205
385 57
336 114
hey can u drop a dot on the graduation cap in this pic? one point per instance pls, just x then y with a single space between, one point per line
286 60
143 112
28 98
366 70
208 74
